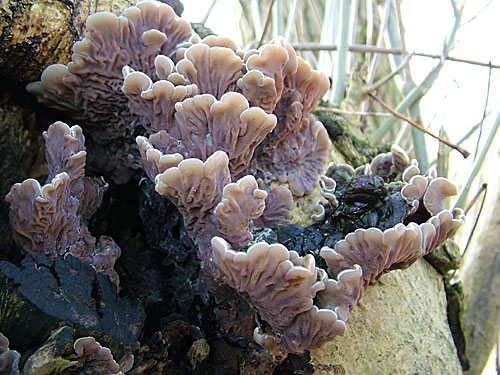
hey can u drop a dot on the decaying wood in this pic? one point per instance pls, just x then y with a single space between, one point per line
37 33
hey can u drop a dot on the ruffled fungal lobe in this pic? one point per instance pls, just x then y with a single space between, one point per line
89 88
282 286
389 166
9 359
52 219
343 293
297 160
264 81
427 194
154 103
282 83
242 202
213 69
204 125
277 282
91 358
196 187
310 330
278 208
379 251
44 218
65 152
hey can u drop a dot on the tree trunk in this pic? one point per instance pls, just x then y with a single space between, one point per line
481 280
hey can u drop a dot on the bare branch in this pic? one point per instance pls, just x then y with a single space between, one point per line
374 49
465 153
268 23
356 113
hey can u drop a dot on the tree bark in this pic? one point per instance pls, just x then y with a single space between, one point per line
481 280
37 33
399 327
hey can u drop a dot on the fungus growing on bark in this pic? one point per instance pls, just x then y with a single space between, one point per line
9 359
204 125
379 251
223 124
278 208
89 88
52 219
282 286
91 358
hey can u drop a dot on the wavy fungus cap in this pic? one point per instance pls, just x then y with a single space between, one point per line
282 286
51 219
89 88
92 358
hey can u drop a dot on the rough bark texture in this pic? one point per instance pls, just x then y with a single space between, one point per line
37 33
400 327
481 281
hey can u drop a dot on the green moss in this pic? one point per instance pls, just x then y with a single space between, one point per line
349 144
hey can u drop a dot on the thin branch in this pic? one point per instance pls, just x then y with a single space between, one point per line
484 114
454 5
477 13
443 155
394 51
402 42
418 126
268 23
479 162
369 25
291 19
381 82
413 95
277 19
257 22
356 113
209 11
354 26
484 188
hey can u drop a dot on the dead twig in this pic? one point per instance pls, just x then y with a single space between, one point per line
381 82
268 22
483 189
355 113
395 51
484 114
209 11
465 153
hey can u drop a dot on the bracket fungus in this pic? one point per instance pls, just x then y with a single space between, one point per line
219 126
91 358
52 219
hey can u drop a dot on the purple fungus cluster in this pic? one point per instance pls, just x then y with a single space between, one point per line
213 126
